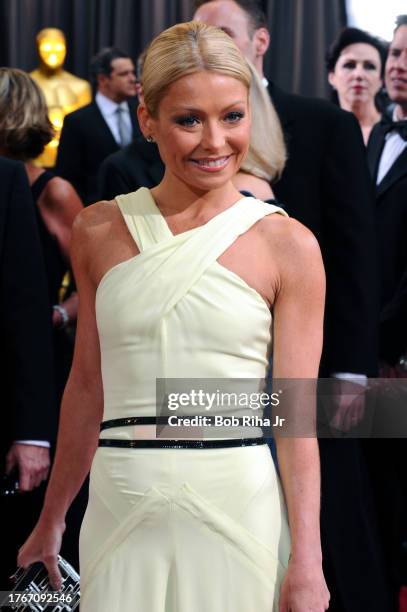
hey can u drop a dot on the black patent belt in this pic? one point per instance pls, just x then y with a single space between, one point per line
180 443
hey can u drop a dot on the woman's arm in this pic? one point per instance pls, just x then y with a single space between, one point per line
71 307
81 413
59 205
297 337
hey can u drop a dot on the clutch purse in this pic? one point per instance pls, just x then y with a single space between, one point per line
33 592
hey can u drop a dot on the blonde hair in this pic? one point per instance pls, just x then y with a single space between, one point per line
24 125
267 152
184 49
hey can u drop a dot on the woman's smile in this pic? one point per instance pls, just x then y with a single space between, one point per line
214 164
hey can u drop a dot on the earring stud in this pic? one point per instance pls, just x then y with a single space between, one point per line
150 139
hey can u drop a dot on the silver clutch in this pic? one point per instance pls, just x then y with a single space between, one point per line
33 592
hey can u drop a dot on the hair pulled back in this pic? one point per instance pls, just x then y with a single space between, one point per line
184 49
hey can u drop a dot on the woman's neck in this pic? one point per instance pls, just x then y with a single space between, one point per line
174 197
366 114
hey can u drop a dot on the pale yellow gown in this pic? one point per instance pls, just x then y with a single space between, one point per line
181 530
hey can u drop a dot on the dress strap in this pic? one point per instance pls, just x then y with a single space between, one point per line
39 184
148 227
206 244
169 266
144 220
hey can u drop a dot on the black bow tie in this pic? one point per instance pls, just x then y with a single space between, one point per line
395 126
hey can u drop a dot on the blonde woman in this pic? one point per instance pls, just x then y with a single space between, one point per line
179 282
266 156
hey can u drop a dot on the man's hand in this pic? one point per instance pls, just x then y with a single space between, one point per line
349 405
32 463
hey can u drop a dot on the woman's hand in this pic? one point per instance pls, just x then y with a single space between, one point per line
304 588
44 544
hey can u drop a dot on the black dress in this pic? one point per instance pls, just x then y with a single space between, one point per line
56 268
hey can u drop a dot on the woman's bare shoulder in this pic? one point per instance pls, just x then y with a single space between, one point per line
97 218
288 235
260 188
94 224
59 196
59 188
292 246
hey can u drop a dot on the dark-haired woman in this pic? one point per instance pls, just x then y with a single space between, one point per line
355 63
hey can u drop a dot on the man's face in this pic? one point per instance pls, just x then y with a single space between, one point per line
233 20
121 83
396 68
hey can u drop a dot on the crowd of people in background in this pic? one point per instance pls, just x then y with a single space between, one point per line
339 168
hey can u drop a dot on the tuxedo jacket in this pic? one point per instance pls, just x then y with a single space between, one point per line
326 186
85 142
391 223
137 165
26 372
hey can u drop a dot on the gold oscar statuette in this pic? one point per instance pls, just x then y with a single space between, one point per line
63 91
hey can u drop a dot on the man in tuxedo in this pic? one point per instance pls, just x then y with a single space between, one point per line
93 132
28 415
326 186
387 155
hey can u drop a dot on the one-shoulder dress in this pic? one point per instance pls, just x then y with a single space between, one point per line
181 530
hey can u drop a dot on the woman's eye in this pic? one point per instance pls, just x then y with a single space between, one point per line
349 65
187 120
234 116
369 66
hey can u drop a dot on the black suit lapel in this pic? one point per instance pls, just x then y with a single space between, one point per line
155 168
144 162
156 172
133 104
396 172
277 96
103 128
279 100
375 149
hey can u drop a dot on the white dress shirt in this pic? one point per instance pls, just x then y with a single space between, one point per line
393 148
108 109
